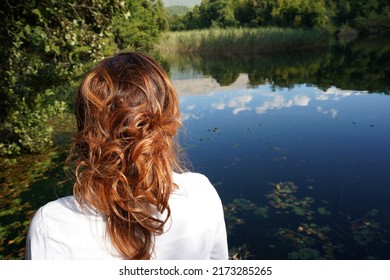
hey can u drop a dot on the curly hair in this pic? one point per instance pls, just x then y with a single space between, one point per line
125 150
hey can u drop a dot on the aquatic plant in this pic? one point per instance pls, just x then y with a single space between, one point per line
319 241
365 231
233 212
240 253
323 211
282 198
242 40
262 211
308 236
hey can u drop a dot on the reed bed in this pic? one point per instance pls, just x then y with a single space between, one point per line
241 40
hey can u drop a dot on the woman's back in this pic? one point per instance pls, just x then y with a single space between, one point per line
195 230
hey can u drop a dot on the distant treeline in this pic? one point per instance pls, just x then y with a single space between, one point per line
364 16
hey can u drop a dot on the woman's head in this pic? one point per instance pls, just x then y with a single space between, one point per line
133 84
125 151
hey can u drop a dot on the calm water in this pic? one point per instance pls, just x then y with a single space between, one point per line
299 156
297 145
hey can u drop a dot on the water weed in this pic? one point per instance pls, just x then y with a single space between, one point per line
242 40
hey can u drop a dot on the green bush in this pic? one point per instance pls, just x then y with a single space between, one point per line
28 126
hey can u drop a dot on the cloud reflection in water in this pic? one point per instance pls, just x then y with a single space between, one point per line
239 97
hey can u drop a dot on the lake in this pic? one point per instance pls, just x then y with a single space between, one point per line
297 146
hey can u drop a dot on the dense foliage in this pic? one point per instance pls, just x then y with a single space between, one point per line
362 15
175 17
146 20
47 45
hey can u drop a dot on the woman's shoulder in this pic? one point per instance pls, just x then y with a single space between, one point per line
191 179
61 206
195 184
62 229
52 213
62 209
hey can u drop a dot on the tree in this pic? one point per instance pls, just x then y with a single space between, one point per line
216 13
220 13
253 13
367 16
192 20
146 19
45 46
160 15
301 13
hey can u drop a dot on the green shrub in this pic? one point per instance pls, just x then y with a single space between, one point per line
28 126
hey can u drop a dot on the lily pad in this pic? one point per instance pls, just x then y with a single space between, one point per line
262 212
299 211
323 211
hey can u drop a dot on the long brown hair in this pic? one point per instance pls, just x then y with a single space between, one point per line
125 151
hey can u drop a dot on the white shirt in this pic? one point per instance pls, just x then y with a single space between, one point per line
195 230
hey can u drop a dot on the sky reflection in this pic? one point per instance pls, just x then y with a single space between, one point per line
239 97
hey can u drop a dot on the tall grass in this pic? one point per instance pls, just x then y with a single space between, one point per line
241 40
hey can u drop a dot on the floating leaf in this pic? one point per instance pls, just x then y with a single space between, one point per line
262 212
323 211
240 253
299 211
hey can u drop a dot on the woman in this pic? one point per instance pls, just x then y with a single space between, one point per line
128 202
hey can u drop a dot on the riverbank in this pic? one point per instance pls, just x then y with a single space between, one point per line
27 182
242 40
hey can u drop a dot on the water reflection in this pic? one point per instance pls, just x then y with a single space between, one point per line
238 97
360 66
317 123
